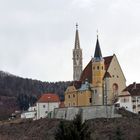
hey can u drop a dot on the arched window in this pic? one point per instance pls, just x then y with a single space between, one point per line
115 92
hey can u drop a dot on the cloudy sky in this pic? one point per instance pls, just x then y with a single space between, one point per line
37 36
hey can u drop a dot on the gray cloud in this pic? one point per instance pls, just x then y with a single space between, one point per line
37 36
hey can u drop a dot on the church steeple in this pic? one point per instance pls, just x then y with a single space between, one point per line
98 71
77 42
98 53
77 57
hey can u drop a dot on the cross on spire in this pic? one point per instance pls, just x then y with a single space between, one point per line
97 33
76 26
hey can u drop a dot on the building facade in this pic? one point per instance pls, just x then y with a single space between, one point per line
130 98
46 104
105 80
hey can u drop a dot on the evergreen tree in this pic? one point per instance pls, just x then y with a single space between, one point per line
70 130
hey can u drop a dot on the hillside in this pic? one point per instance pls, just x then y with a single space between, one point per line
126 128
18 93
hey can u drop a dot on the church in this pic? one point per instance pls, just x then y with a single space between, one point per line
99 83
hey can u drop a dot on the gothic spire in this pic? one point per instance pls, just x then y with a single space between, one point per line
98 53
77 57
77 42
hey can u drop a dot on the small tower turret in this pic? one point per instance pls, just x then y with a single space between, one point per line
98 68
98 71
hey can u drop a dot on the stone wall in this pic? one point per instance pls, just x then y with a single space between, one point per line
87 113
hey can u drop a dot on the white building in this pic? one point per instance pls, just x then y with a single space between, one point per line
30 114
46 105
130 98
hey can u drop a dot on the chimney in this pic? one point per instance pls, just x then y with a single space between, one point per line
134 85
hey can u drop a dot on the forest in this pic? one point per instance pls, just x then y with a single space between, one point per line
18 92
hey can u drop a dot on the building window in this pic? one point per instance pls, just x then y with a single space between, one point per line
73 95
133 100
97 67
124 100
102 67
134 106
74 104
94 68
68 96
90 100
95 90
44 106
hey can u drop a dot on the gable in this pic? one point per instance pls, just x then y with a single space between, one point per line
70 89
115 69
87 72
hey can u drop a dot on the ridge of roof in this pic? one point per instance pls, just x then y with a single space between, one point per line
133 89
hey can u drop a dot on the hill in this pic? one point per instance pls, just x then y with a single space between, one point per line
125 128
17 92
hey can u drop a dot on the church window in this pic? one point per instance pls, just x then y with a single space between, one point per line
90 100
95 90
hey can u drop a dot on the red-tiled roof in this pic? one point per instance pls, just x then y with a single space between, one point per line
49 97
107 62
133 89
87 72
62 105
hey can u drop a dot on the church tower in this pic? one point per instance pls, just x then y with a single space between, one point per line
77 57
98 71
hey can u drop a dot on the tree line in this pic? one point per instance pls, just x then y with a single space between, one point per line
27 91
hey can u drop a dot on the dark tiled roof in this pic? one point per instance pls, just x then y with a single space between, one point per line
87 72
107 74
97 54
133 89
108 60
76 84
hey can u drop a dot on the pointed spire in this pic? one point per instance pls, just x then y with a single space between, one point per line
77 42
98 53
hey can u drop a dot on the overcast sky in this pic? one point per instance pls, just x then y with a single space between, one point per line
37 36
